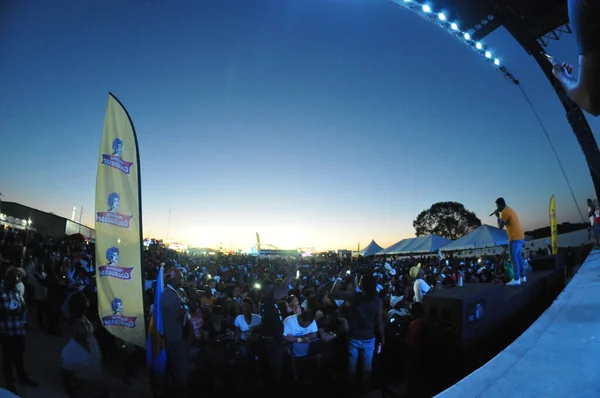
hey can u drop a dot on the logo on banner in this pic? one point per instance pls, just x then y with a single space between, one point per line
112 216
117 318
113 269
115 161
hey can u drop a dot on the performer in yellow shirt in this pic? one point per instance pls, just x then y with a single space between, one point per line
508 218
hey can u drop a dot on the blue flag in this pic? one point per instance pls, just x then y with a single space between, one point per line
156 353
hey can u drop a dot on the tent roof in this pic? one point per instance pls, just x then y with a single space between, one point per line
426 244
484 236
396 247
420 244
372 249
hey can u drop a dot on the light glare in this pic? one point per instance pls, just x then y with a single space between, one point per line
454 27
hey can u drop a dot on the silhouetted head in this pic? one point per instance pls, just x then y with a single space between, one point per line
417 310
500 204
306 318
368 284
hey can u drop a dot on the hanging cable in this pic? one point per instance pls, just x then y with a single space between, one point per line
537 116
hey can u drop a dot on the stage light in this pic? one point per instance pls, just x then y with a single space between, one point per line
427 12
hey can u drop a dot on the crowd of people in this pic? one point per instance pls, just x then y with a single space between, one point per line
260 318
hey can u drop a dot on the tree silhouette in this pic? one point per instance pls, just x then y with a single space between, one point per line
448 219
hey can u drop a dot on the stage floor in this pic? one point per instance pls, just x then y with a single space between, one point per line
473 289
556 357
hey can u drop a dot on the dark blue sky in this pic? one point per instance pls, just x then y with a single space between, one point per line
314 122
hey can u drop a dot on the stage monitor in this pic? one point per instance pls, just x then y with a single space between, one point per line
544 263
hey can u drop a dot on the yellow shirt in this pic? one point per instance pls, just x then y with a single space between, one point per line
513 225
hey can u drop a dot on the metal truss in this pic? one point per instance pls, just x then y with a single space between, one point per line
554 35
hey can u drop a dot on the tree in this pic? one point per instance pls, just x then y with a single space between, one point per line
448 219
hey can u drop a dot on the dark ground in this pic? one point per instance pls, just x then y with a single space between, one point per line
42 362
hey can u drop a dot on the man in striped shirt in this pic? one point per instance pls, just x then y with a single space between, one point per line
12 331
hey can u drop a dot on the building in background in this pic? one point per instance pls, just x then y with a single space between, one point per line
19 216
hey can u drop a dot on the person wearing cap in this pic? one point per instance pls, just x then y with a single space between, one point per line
396 307
176 317
420 287
508 218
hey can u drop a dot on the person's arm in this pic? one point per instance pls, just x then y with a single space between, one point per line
501 223
237 329
344 325
284 287
381 324
288 331
336 289
337 293
584 91
298 339
313 330
417 290
502 220
290 338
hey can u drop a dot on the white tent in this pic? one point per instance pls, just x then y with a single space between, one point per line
425 244
421 244
397 247
372 249
484 236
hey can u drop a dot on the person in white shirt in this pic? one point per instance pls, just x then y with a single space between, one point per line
301 330
591 210
420 287
396 305
247 323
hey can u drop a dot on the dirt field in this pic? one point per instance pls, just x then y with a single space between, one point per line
42 362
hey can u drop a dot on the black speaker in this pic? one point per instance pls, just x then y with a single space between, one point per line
545 263
467 314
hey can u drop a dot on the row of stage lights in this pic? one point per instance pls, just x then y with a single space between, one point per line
452 27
